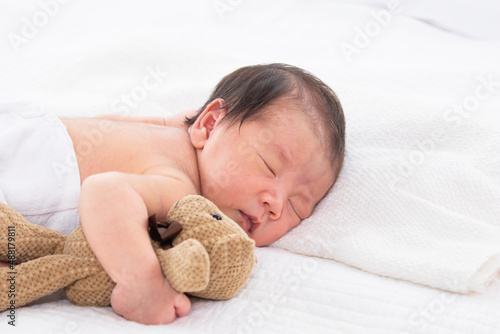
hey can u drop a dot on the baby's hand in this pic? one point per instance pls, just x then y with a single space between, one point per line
149 302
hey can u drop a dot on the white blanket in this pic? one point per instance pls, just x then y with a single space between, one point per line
418 198
292 294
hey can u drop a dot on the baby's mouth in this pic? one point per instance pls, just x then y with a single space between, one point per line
249 223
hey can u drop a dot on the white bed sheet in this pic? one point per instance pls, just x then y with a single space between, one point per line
290 293
89 53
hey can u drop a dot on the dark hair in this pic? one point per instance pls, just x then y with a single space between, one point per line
249 89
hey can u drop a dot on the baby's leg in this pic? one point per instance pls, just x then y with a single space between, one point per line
3 264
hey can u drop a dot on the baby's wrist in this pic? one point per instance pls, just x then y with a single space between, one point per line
150 274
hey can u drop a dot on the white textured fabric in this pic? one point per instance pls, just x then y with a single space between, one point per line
291 293
418 198
39 175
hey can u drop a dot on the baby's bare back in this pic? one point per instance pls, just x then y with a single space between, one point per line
129 147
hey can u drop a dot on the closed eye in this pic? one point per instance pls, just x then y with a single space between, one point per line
267 166
293 208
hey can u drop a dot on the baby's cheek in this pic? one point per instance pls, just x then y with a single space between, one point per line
234 168
270 234
286 226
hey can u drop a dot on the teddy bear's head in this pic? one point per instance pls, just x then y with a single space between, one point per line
229 248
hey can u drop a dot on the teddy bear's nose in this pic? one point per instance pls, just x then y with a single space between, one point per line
216 216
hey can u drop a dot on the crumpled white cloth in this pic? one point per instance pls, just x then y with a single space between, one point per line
39 175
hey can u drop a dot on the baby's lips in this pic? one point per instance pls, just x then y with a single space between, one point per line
254 224
247 224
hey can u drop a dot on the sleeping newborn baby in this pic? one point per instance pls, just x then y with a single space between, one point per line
265 148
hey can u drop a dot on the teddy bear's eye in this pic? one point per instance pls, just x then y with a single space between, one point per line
216 216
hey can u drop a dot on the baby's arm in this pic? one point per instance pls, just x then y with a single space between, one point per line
176 120
114 208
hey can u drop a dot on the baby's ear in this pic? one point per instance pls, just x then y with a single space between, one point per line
207 121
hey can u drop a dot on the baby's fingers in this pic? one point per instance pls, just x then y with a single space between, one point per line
182 305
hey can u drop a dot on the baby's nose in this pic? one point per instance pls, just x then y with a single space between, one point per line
273 204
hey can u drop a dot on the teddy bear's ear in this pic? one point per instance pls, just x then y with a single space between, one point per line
231 261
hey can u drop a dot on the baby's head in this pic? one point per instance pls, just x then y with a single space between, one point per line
270 144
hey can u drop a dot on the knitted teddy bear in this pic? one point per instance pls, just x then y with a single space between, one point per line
210 257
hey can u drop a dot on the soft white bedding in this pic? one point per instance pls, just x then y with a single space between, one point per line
289 293
418 198
397 84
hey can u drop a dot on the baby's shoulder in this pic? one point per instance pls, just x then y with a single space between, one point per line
130 147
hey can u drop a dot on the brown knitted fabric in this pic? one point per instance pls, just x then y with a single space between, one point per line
186 266
42 269
31 241
229 248
211 258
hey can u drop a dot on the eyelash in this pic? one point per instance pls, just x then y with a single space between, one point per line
270 169
294 209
